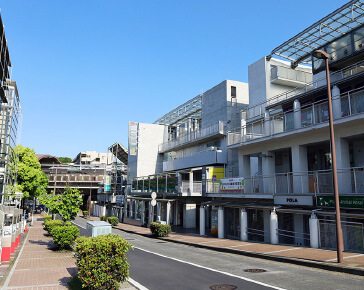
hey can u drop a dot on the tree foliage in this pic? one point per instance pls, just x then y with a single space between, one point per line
65 159
66 204
31 180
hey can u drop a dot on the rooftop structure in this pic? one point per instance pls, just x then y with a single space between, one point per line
338 23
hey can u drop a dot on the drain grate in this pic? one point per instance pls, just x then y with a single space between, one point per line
255 270
223 287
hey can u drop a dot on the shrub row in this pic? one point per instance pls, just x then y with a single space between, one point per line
101 261
64 236
85 213
50 224
103 218
47 217
113 220
159 230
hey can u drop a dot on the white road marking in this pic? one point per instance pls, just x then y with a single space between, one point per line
210 269
292 249
359 255
136 284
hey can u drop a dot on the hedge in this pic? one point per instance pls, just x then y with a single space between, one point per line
51 224
101 261
85 213
113 220
103 218
159 230
64 236
47 218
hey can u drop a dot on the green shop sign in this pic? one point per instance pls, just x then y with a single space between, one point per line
345 201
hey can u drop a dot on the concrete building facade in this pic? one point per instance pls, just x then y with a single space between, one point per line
254 162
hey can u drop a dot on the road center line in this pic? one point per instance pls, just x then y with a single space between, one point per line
210 269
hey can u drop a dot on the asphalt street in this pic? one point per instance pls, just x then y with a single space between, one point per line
157 264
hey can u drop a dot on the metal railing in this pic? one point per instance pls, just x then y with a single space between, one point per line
351 181
216 128
259 109
351 103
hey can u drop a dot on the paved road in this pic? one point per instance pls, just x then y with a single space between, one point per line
162 265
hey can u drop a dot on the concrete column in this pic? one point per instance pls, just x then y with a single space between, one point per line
168 213
343 162
202 220
299 168
158 211
267 129
136 209
273 227
151 213
336 102
268 168
220 223
245 171
142 213
131 208
125 209
314 231
191 181
176 208
297 114
243 225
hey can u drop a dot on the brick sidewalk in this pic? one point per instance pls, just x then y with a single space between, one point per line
39 267
318 258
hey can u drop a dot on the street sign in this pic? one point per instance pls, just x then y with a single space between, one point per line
345 201
153 202
154 195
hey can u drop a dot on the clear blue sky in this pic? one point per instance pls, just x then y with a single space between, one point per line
86 68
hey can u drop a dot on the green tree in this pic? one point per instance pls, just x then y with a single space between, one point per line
65 159
66 204
31 180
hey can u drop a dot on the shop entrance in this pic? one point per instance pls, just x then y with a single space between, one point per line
232 223
255 225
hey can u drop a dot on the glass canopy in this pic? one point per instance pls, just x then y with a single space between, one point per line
298 49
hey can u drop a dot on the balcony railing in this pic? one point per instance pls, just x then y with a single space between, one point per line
214 129
259 109
351 181
350 103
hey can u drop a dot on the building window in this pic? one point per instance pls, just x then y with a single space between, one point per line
233 92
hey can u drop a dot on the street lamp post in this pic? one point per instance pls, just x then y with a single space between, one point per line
339 234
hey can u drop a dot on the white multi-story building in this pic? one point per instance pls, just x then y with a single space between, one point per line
273 137
93 158
287 131
176 155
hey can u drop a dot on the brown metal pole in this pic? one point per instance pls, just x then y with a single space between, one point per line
339 233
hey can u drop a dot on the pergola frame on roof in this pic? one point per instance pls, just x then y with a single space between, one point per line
298 49
190 109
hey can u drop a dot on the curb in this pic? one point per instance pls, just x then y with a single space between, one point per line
300 262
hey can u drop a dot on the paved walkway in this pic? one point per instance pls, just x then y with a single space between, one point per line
39 267
319 258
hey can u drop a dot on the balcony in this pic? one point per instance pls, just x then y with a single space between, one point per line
190 189
289 77
202 158
345 73
347 105
351 182
216 129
